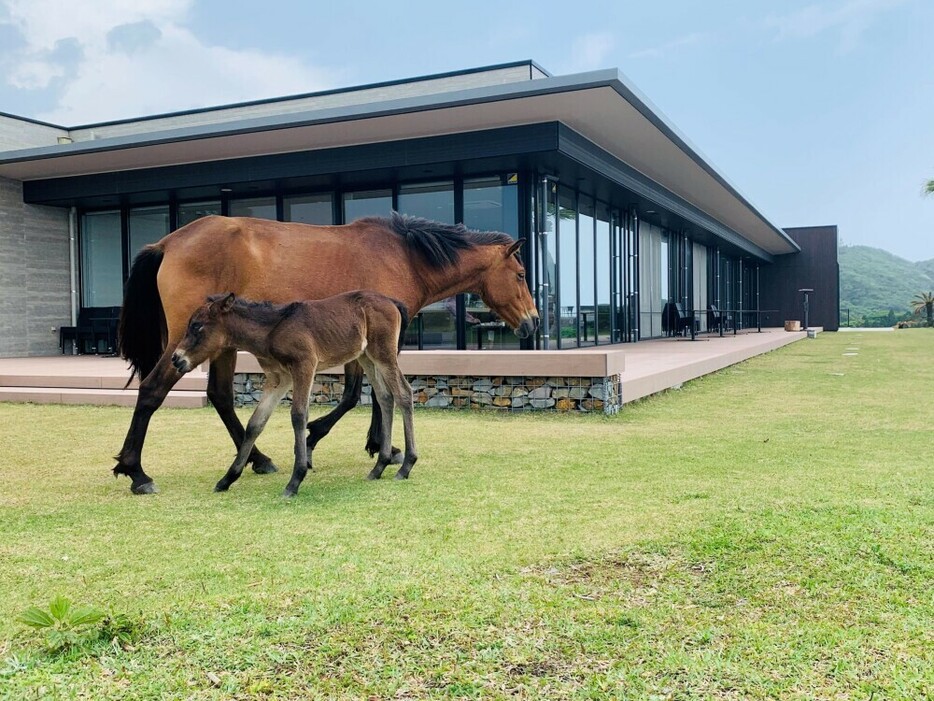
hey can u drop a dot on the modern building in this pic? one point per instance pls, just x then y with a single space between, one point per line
622 213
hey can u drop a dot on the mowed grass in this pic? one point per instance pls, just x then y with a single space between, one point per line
765 532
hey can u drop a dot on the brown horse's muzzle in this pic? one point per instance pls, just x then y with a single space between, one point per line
528 327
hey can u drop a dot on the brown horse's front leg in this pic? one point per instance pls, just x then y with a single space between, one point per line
220 393
152 392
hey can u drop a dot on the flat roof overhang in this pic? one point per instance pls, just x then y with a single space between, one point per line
600 106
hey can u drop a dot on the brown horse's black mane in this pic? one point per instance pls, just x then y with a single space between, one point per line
439 244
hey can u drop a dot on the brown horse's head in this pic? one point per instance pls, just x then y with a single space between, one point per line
206 335
503 288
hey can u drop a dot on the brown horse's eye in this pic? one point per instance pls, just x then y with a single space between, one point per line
521 277
196 326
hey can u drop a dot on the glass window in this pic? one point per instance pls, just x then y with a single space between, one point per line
567 267
101 260
367 203
605 262
699 279
309 209
587 271
147 225
549 263
650 283
190 211
258 207
433 201
492 204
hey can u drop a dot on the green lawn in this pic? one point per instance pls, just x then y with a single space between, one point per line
765 532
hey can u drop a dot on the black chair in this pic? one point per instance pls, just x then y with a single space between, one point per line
676 321
79 335
716 319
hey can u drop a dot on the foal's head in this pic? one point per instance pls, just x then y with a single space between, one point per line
206 335
504 289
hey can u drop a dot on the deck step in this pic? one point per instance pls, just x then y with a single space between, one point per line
181 399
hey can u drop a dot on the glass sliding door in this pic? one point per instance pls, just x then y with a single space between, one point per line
699 282
146 225
490 204
587 271
190 211
568 307
309 209
367 203
101 259
605 262
257 207
433 201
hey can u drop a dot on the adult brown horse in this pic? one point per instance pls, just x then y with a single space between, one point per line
413 260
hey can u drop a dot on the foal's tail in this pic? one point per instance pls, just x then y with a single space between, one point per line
141 336
404 311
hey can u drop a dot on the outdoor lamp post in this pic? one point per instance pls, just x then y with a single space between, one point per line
806 291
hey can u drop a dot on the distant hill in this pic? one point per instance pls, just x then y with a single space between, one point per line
874 282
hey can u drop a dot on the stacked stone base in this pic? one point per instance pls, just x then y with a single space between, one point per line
561 394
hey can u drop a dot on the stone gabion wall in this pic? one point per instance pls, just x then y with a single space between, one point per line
563 394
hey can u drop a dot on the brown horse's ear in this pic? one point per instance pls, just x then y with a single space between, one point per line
227 302
514 248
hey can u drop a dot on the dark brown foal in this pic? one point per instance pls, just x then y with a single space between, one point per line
291 341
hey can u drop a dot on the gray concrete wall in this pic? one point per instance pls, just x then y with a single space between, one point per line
35 282
21 133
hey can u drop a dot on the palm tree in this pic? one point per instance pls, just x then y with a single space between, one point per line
924 301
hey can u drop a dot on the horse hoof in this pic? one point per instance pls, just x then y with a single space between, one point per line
221 487
374 475
145 488
289 493
400 475
265 467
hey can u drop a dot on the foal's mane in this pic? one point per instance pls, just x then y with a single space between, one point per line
265 313
439 244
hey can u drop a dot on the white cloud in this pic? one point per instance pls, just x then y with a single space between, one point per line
669 47
850 19
163 68
590 51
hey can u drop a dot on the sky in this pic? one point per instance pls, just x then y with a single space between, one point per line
819 112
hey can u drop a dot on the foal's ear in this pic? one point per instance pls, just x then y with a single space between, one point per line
227 302
514 248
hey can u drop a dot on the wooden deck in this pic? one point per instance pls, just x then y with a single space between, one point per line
645 368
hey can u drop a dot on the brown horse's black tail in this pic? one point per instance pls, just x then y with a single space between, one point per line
404 311
142 332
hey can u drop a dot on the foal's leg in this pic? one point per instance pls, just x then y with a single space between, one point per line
220 392
383 396
273 393
402 393
302 379
353 386
152 392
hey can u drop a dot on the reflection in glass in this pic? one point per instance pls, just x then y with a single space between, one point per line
190 211
309 209
588 282
549 273
490 204
147 225
699 279
604 261
258 207
101 260
433 201
367 203
567 267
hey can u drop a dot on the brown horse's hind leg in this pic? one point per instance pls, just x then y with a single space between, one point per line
353 387
220 393
152 392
